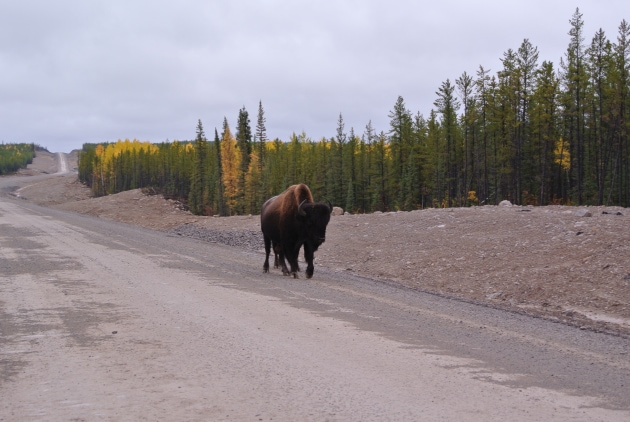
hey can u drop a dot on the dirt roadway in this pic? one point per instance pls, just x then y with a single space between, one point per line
548 261
102 321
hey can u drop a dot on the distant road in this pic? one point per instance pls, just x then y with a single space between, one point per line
103 321
62 163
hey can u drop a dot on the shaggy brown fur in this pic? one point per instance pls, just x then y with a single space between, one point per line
291 199
283 207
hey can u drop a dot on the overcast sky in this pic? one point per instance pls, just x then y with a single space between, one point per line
94 71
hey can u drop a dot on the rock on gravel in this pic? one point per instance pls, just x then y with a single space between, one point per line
583 212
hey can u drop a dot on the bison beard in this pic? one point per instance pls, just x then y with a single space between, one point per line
289 221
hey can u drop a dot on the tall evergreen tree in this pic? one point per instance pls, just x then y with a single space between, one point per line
380 175
465 86
448 105
420 130
261 134
198 178
621 170
261 142
482 94
435 161
339 187
527 64
575 85
244 143
220 201
599 140
348 169
401 142
367 188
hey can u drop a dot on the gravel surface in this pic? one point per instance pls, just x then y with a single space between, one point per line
568 264
246 239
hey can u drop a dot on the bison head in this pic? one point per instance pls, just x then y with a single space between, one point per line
315 215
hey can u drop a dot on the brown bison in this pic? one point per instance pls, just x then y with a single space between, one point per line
290 220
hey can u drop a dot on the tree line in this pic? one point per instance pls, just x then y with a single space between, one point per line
15 156
532 133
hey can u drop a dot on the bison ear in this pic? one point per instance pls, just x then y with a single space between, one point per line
301 209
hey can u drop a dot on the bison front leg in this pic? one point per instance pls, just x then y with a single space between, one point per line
283 264
309 256
292 257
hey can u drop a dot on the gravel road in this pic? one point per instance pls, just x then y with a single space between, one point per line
104 321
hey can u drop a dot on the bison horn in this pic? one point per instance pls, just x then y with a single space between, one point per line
301 210
329 204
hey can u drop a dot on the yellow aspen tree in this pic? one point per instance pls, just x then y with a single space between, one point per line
253 185
562 155
231 162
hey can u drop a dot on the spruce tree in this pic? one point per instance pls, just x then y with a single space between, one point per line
506 120
621 170
244 143
600 64
338 165
448 105
197 185
401 142
575 85
465 87
348 169
261 142
525 168
220 203
482 95
367 145
261 135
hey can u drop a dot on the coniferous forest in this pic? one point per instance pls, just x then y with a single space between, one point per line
534 133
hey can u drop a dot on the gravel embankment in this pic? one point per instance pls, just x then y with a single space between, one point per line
247 239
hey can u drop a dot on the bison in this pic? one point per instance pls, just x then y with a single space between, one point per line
290 220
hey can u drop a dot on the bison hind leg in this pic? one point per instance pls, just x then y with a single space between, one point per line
267 252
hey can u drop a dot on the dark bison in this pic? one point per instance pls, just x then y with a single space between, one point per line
289 221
